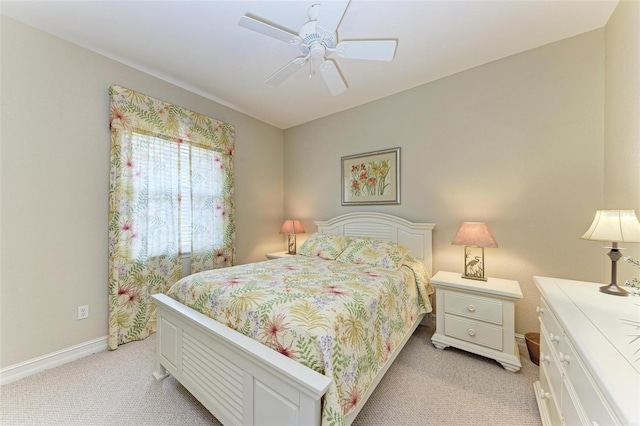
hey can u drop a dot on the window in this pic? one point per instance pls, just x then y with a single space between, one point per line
166 186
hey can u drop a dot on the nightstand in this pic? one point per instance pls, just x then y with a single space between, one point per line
278 255
477 316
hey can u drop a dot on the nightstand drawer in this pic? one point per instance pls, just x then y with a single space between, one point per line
473 331
475 307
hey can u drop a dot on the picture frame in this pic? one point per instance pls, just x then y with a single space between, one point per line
371 178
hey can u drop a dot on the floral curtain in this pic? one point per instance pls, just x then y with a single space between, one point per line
148 137
210 209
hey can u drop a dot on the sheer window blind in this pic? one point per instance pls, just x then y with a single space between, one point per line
168 160
185 200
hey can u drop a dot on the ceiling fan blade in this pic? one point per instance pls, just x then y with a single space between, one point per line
372 50
331 12
267 29
332 77
287 71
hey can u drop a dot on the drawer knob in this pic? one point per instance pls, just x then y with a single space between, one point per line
471 308
539 310
554 337
544 395
471 332
564 358
545 358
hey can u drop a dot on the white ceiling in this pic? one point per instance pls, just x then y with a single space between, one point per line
197 44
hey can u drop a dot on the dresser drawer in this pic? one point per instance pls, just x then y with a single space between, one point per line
592 403
570 407
548 399
553 330
473 331
550 363
475 307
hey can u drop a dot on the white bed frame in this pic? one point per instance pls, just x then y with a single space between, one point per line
242 382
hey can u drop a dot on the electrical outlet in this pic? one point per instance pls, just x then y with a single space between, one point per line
83 312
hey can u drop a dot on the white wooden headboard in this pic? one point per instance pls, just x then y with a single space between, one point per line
415 236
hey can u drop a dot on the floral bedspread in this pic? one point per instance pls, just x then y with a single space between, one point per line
340 319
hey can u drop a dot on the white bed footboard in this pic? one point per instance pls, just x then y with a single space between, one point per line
242 382
239 380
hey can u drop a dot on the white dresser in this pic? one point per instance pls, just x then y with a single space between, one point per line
589 367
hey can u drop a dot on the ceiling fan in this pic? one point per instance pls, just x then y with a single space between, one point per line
317 39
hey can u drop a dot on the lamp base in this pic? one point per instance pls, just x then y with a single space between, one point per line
471 277
291 244
614 289
473 266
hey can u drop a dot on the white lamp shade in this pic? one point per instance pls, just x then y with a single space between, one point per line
474 234
614 226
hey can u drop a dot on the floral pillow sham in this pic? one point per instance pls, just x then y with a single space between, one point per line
324 246
377 253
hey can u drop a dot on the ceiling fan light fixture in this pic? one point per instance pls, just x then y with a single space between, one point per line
318 40
317 51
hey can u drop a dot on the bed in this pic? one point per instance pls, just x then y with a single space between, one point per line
242 381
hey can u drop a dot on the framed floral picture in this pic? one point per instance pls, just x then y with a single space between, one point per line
371 178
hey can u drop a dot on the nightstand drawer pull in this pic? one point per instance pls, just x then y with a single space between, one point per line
471 308
539 310
554 337
471 332
544 395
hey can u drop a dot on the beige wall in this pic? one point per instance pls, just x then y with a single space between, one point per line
622 117
517 143
54 183
531 144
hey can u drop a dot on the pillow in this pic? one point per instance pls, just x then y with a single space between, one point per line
325 246
378 253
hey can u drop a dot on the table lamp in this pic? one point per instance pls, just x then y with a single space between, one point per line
291 227
616 226
474 234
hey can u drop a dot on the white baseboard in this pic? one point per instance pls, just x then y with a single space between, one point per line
54 359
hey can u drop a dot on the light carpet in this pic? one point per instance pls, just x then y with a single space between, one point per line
424 386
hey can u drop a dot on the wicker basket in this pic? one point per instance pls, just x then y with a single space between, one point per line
533 345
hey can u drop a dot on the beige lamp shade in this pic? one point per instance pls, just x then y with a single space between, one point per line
474 234
614 226
292 226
